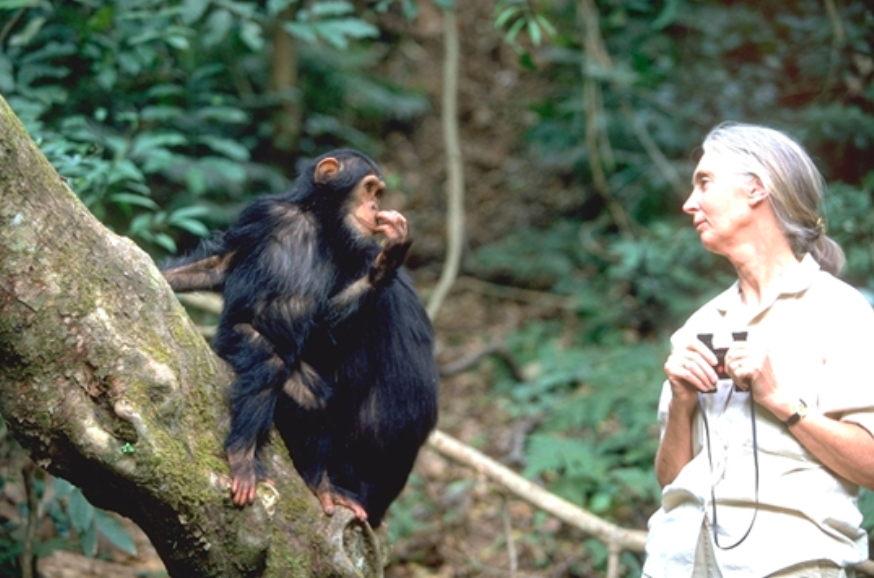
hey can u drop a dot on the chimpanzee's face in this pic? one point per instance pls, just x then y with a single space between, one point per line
366 198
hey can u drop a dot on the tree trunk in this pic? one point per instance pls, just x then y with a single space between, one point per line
105 382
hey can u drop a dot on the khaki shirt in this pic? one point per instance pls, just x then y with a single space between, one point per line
819 332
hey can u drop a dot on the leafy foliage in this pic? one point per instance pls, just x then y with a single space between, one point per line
88 521
147 108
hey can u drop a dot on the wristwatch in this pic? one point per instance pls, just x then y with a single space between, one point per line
799 412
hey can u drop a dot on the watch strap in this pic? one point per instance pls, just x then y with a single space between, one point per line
800 411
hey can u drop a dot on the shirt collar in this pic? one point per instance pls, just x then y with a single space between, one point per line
797 279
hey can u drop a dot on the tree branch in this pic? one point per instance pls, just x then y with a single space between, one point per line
615 537
105 382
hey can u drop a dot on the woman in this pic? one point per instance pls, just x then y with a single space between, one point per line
761 469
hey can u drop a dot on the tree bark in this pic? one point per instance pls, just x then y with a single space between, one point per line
105 382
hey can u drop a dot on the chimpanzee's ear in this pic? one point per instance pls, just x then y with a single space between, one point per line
326 170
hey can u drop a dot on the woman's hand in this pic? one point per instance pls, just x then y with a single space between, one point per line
689 368
750 368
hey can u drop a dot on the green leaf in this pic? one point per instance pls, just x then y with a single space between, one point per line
332 8
534 32
161 113
196 181
24 37
252 35
189 213
335 32
229 148
125 170
600 502
16 4
505 16
63 488
139 225
80 510
667 15
177 41
146 143
88 538
218 26
222 114
545 24
193 10
302 31
274 7
135 200
514 30
115 532
166 242
196 228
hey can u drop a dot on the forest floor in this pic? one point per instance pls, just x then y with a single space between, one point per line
456 524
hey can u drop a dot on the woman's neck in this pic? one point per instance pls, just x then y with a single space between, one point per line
760 268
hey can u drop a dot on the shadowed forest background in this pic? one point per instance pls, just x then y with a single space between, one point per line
578 122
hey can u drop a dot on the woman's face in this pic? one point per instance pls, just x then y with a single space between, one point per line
720 201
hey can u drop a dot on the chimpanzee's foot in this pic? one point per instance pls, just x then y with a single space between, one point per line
330 499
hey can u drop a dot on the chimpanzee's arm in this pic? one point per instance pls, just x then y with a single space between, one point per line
202 270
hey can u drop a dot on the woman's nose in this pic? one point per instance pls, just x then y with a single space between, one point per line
691 205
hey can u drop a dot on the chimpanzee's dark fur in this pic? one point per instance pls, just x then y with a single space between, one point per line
328 342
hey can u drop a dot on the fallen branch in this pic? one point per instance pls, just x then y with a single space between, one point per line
616 537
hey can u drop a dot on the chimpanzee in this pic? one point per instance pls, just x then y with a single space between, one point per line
326 334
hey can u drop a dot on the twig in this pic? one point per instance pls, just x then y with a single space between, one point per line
28 471
527 296
511 544
499 350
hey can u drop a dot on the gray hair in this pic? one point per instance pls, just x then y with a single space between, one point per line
794 184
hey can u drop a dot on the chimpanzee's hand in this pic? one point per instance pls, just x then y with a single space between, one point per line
393 225
389 260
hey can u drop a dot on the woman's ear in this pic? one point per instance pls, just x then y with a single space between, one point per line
756 191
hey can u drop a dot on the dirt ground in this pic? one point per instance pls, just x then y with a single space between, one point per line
464 526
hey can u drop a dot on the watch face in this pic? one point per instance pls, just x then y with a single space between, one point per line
799 410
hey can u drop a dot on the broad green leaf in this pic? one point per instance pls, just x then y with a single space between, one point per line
218 25
166 242
227 147
331 8
274 7
80 510
506 15
115 532
534 32
301 31
222 114
252 36
135 200
88 538
16 4
24 37
63 488
193 10
146 143
194 227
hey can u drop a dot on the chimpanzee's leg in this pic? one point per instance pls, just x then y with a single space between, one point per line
252 399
